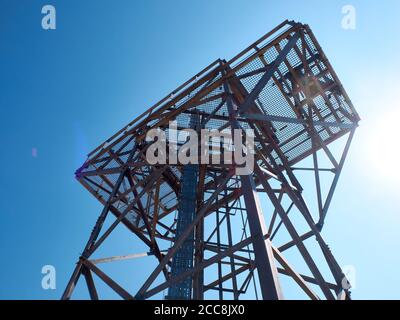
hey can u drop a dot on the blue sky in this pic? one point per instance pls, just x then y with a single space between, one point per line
64 91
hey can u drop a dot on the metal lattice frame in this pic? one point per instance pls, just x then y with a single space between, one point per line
284 88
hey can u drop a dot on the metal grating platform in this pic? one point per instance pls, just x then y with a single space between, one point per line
289 98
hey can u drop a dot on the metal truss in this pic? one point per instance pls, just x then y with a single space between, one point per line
254 236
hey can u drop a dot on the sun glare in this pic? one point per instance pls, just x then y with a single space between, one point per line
383 146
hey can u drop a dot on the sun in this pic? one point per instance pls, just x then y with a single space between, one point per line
383 146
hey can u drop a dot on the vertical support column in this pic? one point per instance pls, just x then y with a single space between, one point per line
230 244
198 277
264 257
183 259
187 204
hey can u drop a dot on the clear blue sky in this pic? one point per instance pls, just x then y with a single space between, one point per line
63 92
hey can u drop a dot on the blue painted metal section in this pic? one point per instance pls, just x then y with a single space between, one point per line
183 259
